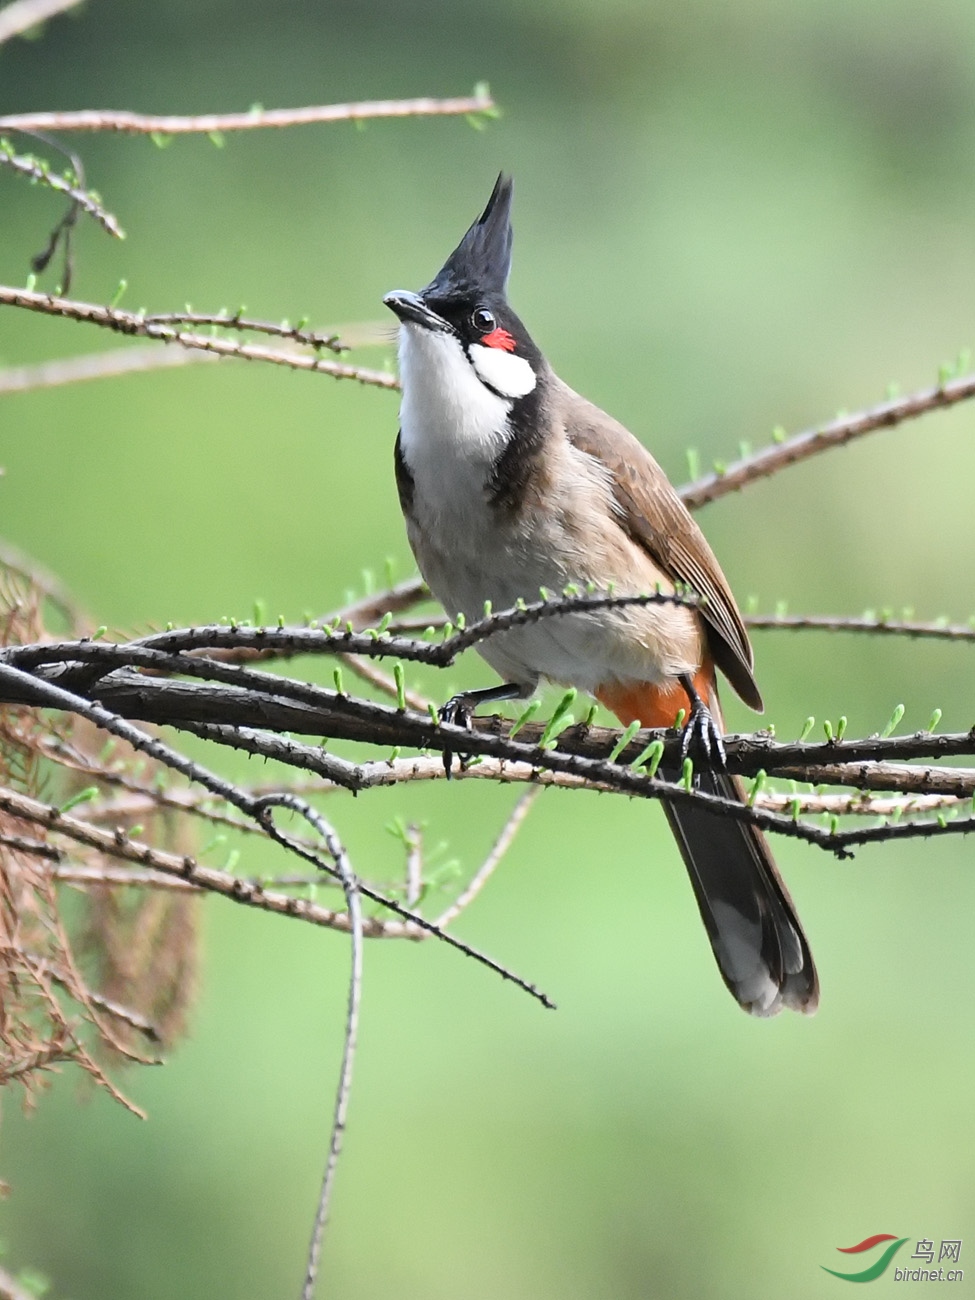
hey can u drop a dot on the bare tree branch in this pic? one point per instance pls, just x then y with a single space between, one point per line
47 695
136 325
861 804
937 630
371 608
500 847
122 361
943 782
223 320
253 120
350 885
328 712
307 707
845 428
42 175
904 831
96 365
186 869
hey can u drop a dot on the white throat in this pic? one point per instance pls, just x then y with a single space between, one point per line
452 427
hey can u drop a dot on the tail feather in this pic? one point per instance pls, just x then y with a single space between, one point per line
755 934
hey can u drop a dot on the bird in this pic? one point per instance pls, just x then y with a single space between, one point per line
511 482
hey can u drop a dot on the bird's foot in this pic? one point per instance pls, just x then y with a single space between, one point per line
702 735
459 710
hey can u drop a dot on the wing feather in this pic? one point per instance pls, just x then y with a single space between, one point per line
653 515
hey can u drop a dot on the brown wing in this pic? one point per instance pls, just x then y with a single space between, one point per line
653 515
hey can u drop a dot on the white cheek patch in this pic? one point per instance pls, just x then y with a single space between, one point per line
507 374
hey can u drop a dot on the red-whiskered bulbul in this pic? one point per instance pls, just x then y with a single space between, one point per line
511 482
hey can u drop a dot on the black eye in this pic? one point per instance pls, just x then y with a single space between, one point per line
483 320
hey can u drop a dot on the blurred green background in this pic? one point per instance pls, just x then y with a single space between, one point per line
727 218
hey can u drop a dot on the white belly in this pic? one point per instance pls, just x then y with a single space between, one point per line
474 554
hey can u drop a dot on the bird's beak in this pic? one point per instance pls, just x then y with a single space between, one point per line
411 309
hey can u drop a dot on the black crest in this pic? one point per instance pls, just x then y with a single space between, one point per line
481 261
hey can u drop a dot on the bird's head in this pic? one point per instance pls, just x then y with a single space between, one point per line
461 326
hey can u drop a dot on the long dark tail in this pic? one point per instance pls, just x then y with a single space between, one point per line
757 940
756 936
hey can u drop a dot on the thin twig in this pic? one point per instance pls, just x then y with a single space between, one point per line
46 695
44 581
113 1009
876 626
946 782
596 771
371 608
903 831
97 365
350 886
845 428
500 847
237 321
374 644
133 877
249 893
42 175
860 804
136 325
358 614
252 698
414 866
32 848
253 120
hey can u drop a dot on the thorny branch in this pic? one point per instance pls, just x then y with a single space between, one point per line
165 327
175 678
710 487
875 625
13 682
247 709
137 325
845 428
42 175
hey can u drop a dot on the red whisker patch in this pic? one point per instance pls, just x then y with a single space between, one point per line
499 338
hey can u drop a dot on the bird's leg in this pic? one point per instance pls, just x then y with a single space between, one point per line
459 710
701 732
